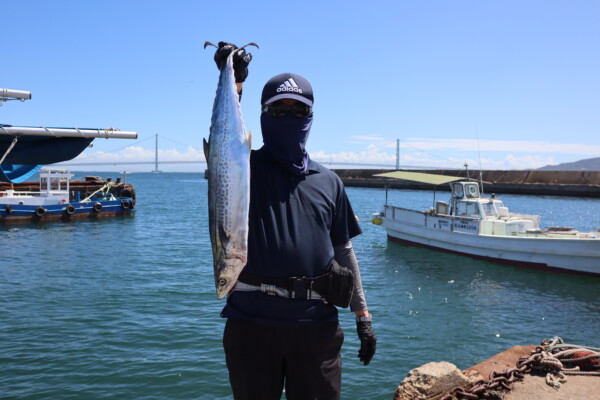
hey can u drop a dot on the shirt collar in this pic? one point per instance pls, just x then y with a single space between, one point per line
313 167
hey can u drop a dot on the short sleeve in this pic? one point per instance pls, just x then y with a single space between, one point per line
344 224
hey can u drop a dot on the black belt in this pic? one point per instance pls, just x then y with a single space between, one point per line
336 286
298 287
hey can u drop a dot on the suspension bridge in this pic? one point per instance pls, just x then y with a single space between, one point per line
157 163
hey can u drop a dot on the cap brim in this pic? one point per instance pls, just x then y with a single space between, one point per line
290 96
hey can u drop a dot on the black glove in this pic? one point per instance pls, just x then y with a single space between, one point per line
241 59
368 341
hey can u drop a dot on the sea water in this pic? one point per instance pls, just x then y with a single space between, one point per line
125 308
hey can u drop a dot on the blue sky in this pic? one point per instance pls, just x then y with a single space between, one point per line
504 84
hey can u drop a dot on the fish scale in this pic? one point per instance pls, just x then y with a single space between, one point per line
228 157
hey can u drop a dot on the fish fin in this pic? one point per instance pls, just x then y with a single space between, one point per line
208 44
206 148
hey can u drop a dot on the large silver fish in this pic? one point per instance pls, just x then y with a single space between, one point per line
228 157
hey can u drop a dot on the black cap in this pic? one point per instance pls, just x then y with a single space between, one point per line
287 86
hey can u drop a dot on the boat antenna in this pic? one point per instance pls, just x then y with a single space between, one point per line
397 154
467 170
479 155
386 194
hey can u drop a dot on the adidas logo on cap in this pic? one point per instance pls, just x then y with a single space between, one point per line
289 86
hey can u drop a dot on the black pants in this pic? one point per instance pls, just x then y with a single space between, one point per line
262 359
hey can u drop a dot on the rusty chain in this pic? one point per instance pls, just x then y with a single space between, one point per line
541 359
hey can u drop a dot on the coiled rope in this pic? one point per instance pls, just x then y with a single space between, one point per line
576 359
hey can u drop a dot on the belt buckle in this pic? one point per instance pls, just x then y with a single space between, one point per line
271 290
297 289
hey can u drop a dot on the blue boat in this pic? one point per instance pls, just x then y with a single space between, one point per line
57 198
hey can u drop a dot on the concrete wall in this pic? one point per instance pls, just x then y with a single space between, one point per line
557 183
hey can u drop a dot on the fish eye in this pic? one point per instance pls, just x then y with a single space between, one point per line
222 282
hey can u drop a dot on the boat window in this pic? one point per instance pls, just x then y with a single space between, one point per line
467 209
489 210
458 190
43 183
54 184
497 205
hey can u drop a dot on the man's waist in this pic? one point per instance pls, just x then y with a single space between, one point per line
335 286
273 290
301 288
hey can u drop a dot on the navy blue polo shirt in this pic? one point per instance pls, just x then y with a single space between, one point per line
294 223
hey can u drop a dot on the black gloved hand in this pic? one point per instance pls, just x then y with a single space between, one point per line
368 341
241 59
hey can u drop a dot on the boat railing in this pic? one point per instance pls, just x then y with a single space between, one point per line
413 216
14 193
27 194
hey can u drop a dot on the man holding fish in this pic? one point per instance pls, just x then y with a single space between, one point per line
282 327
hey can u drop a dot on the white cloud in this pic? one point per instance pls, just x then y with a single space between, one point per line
103 161
136 153
424 160
500 145
453 153
414 153
431 144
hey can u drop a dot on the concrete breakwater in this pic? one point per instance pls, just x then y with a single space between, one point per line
517 375
555 183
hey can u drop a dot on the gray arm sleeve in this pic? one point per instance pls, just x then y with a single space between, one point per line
344 255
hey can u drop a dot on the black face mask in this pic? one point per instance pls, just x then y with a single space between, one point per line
285 137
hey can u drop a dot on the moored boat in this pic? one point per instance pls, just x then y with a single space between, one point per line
482 227
57 198
25 150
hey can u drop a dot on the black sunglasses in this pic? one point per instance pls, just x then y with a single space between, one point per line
277 109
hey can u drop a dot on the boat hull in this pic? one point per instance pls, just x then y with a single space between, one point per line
14 213
460 236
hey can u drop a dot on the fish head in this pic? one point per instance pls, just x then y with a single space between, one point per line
226 274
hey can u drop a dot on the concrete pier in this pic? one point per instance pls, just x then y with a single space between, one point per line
434 380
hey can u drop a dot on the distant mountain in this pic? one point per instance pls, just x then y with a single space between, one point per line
589 164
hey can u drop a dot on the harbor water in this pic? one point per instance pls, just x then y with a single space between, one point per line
125 308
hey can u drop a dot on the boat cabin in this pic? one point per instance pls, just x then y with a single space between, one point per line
466 201
54 189
54 181
490 214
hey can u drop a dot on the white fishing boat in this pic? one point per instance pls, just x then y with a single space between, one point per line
482 227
